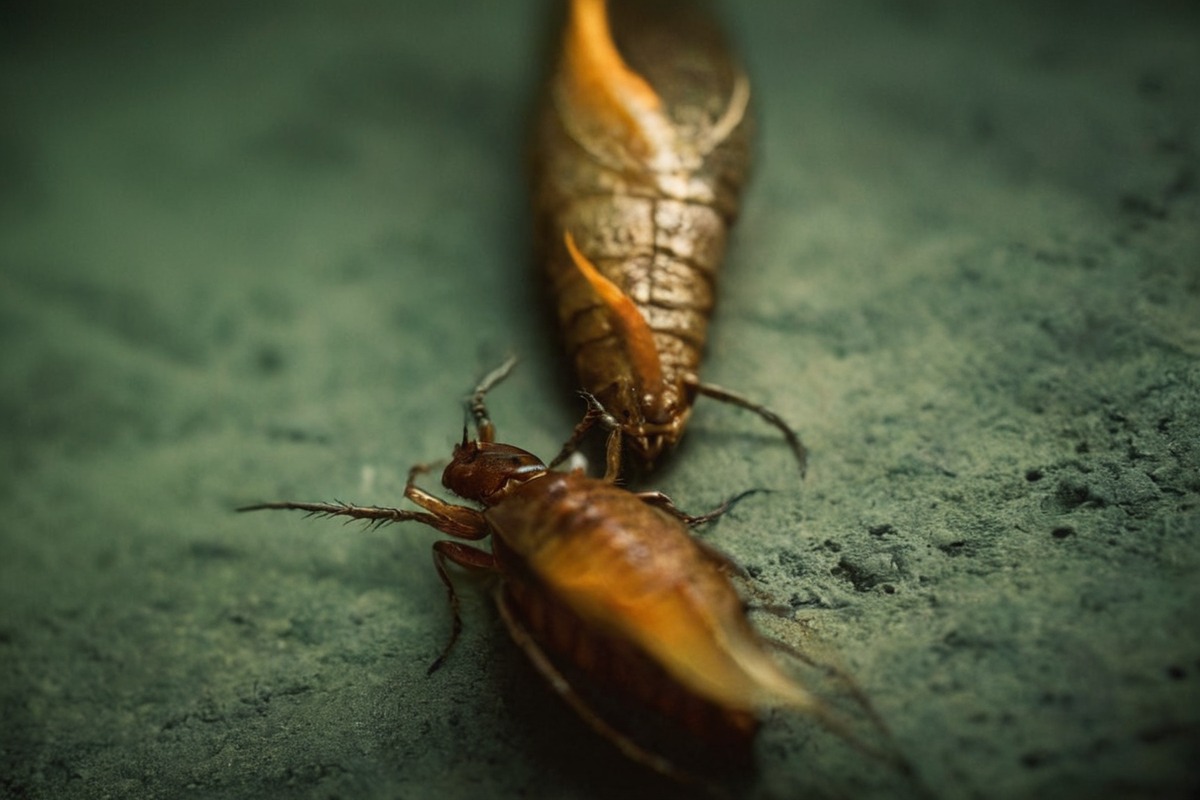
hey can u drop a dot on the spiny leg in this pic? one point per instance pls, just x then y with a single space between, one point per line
590 418
595 414
464 556
459 521
660 500
376 515
455 520
449 519
723 561
727 396
485 431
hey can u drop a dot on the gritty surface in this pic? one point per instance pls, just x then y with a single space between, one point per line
256 252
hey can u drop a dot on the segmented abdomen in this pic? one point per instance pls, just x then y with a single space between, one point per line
618 592
568 539
620 678
659 236
663 254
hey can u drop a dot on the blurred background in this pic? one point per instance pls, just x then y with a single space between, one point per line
262 251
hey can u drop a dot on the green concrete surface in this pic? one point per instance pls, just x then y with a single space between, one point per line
259 251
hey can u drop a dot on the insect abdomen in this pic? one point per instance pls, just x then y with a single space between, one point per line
615 675
657 232
663 254
604 581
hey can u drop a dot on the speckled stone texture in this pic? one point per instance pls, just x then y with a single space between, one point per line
256 251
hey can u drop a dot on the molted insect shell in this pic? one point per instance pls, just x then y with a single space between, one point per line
641 151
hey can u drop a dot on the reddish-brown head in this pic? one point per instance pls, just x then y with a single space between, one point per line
487 471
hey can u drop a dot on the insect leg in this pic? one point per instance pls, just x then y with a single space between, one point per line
485 430
660 500
545 667
727 396
590 418
464 556
455 520
376 515
460 521
723 561
734 113
595 414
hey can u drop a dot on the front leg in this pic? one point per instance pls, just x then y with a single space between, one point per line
462 522
590 418
596 414
376 515
453 520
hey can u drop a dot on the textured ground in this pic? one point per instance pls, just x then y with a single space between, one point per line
261 251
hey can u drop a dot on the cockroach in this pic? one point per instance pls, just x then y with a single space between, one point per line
605 591
641 149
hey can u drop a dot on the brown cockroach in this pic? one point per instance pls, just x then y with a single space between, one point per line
604 588
641 150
